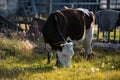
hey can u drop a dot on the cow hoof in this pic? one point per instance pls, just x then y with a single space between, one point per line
89 56
58 63
48 62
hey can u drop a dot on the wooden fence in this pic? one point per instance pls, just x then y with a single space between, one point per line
46 7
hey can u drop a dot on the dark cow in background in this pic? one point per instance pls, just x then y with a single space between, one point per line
35 30
65 27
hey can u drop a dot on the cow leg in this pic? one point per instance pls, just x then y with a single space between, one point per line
57 60
87 42
88 50
49 53
49 57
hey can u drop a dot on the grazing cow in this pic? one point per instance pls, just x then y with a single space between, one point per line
65 27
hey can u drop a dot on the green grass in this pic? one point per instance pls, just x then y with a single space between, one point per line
33 67
111 34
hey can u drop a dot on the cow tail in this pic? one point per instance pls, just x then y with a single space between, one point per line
58 27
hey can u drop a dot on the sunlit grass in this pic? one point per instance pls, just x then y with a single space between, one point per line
105 34
33 67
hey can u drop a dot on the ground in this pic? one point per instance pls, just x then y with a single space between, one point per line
27 64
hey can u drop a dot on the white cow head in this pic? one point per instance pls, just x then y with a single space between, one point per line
66 54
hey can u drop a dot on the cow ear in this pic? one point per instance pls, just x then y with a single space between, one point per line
62 45
66 7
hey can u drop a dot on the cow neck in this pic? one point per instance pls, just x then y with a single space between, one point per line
58 26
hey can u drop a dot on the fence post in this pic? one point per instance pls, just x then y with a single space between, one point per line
108 4
114 35
35 9
98 31
119 34
50 6
108 7
72 6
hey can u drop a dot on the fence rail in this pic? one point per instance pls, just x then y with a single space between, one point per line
46 7
94 6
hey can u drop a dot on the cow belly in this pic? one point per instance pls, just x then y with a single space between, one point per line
87 37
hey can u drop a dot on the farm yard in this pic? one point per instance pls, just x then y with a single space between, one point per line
21 61
23 53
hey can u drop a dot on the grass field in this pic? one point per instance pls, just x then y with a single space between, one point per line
19 62
111 33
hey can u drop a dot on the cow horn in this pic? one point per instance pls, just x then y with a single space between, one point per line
66 7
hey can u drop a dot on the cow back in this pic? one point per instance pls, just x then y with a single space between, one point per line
65 23
74 25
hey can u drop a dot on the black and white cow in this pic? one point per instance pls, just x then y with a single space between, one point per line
65 27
